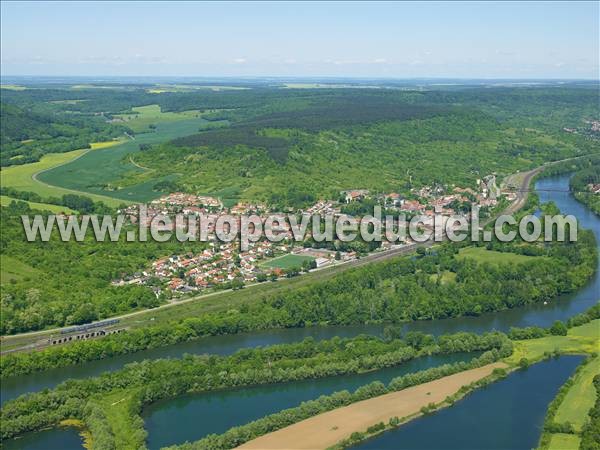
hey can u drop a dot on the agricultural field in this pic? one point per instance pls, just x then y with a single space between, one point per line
288 261
580 398
56 209
482 255
102 173
26 177
143 118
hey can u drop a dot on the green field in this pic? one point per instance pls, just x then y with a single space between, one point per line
144 116
102 172
562 441
481 255
22 177
580 398
287 261
583 339
56 209
13 269
445 277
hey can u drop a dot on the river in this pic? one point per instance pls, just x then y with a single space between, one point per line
549 189
193 417
508 414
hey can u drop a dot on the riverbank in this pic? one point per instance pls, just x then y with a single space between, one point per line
341 426
327 429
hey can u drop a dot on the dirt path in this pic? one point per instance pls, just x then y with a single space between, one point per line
327 429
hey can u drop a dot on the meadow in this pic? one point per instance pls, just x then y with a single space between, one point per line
12 270
56 209
482 255
579 340
143 118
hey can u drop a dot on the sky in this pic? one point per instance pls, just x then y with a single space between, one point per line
337 39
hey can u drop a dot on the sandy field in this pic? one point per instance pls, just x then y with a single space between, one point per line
327 429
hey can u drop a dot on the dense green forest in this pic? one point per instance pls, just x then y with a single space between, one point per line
26 135
65 283
580 186
291 146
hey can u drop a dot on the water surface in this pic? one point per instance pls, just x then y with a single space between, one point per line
193 417
54 439
508 414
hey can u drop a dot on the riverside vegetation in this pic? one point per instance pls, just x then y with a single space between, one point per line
124 392
110 404
402 289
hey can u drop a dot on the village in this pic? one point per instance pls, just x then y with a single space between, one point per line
222 265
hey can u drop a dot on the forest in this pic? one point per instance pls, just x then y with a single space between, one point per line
291 146
580 186
68 283
26 136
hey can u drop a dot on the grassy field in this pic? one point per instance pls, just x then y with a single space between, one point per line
13 269
562 441
580 398
12 87
103 172
56 209
144 116
328 428
482 255
579 340
116 405
445 277
287 261
206 303
22 177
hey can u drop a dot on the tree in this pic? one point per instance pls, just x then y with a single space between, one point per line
558 329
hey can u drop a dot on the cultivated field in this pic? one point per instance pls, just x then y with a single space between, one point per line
583 339
112 172
25 177
327 429
144 116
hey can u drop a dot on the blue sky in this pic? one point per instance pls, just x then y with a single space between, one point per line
400 40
